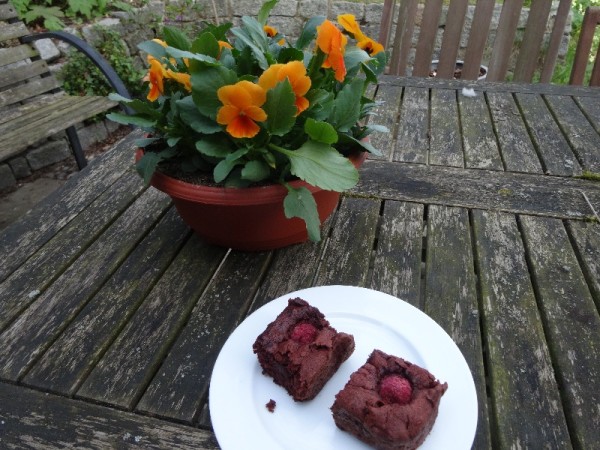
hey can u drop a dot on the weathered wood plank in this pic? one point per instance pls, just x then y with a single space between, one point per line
41 421
33 331
481 149
25 236
584 139
291 269
451 297
513 192
446 142
516 148
125 370
572 324
66 363
15 54
591 109
180 386
586 237
27 90
397 263
412 140
22 72
488 86
386 114
350 246
554 150
524 392
35 275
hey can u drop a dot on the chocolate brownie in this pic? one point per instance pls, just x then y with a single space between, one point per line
389 403
300 350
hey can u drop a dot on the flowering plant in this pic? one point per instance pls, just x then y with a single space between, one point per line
258 108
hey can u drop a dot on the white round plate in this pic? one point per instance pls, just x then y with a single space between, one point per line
239 391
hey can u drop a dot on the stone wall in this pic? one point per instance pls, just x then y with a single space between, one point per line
144 23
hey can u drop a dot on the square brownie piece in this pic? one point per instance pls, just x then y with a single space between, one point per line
389 403
300 350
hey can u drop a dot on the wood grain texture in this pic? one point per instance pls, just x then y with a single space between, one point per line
524 391
591 109
480 146
572 324
180 385
586 240
64 366
125 370
397 263
514 192
350 246
412 140
386 114
445 136
32 332
553 148
518 153
24 237
451 297
21 288
44 421
582 136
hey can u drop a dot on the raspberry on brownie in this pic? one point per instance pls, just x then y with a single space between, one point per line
300 350
389 403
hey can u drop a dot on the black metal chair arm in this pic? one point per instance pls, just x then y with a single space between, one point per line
110 74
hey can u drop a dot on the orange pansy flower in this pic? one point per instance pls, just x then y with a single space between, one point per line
155 76
332 42
182 78
242 108
370 46
349 23
272 32
295 72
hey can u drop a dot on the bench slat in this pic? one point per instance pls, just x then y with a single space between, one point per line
12 31
412 144
23 72
28 90
446 147
12 55
55 121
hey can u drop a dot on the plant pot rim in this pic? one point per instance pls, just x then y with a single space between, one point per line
215 194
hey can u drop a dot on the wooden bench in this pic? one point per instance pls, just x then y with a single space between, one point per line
591 21
531 48
32 105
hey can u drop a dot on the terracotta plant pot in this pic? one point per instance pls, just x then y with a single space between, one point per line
244 219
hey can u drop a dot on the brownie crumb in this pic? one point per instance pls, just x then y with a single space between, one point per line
271 405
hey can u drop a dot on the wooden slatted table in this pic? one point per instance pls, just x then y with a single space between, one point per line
482 212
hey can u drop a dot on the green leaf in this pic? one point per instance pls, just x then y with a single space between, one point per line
213 146
145 142
147 165
258 53
180 54
321 104
265 10
205 85
137 105
346 111
300 203
221 170
321 131
256 171
288 54
362 143
309 32
207 44
81 6
188 111
131 120
354 56
321 165
280 108
176 38
153 48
